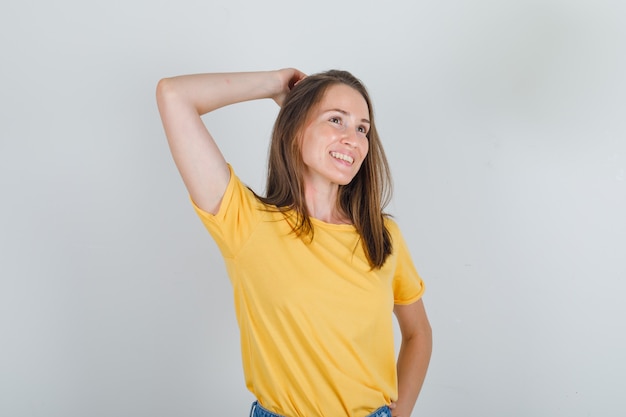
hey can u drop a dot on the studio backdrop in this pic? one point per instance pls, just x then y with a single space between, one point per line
503 122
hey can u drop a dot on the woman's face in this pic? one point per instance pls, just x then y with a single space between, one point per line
334 142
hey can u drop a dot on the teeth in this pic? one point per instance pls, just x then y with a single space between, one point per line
342 157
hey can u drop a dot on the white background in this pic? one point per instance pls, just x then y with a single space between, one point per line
504 125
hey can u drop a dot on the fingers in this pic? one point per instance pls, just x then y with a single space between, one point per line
289 77
296 77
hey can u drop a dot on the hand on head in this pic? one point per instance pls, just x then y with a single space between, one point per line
288 77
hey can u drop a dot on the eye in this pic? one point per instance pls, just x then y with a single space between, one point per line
335 120
363 130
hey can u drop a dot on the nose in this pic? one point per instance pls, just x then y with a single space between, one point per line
350 137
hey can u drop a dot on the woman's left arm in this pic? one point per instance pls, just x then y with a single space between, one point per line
414 355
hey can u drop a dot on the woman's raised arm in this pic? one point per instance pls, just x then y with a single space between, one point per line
182 100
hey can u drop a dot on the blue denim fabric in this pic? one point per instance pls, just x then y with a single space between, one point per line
258 411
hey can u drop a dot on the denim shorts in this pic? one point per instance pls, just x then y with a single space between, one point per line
258 411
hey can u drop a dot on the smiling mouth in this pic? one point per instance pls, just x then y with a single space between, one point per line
342 157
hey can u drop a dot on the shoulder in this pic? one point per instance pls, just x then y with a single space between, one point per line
391 225
238 198
395 233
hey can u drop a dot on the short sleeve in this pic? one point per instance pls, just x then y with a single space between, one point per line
408 286
236 218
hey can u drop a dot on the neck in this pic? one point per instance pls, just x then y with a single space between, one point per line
322 204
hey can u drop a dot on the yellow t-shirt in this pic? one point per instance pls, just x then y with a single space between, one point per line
315 321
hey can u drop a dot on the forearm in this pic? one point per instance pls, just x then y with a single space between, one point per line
413 361
207 92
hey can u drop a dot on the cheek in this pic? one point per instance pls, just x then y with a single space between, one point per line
310 151
363 157
365 149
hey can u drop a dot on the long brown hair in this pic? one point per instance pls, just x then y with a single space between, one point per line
362 200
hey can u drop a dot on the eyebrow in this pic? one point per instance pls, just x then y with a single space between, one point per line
347 114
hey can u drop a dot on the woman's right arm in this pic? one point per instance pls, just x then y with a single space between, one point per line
182 100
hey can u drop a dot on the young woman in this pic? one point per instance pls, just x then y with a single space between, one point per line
317 267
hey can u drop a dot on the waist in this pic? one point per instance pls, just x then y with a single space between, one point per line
257 410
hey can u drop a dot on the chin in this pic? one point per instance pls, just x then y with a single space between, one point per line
344 181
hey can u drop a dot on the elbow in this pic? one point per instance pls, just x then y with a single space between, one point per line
422 334
427 334
169 97
426 330
163 90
